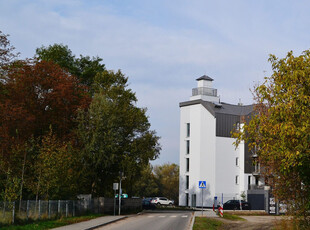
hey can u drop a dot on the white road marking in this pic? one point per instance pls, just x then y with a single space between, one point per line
150 216
184 216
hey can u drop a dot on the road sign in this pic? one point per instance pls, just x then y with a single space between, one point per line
115 186
202 184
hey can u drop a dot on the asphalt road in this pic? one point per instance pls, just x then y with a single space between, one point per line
153 221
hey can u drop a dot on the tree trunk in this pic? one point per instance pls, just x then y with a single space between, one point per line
22 182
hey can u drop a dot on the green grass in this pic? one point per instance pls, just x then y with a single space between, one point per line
232 217
206 223
48 224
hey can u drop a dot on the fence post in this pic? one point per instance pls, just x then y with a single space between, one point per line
39 209
58 211
66 208
73 208
27 210
4 209
13 214
49 209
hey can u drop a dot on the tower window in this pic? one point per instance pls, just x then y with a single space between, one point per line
187 182
187 164
188 129
237 180
237 161
187 147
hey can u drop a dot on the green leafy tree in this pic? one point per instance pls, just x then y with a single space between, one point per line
167 176
55 170
85 68
115 134
146 184
280 131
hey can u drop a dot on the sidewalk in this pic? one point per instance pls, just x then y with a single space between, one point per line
91 224
206 213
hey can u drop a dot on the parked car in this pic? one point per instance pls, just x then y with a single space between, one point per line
147 204
235 205
161 201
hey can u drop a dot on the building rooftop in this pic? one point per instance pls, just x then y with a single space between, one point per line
204 77
223 108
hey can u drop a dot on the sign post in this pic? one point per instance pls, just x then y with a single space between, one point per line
121 174
115 187
202 184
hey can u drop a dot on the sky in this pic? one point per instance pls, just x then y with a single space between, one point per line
164 46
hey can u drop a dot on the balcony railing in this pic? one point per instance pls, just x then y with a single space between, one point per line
255 187
204 91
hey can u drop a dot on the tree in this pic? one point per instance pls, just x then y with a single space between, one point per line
115 135
146 184
280 131
167 176
85 68
6 53
55 169
36 96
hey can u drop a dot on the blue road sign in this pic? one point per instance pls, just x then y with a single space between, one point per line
202 184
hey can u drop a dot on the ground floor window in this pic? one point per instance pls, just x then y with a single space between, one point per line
187 199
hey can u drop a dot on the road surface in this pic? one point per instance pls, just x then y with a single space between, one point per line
153 221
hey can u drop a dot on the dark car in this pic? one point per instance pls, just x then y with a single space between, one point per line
235 205
147 204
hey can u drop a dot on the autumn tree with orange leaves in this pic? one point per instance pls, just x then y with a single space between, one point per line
280 132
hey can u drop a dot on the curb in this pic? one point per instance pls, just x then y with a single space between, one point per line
103 224
192 221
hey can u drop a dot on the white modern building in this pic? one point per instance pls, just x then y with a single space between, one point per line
207 152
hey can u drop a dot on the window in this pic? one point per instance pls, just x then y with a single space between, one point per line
187 199
237 161
187 164
187 147
187 182
188 129
237 179
237 126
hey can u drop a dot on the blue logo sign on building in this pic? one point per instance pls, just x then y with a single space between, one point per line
202 184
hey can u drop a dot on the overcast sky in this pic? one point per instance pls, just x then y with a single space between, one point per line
163 46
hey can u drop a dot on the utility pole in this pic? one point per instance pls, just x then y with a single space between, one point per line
120 192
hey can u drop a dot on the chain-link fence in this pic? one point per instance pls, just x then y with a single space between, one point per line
51 209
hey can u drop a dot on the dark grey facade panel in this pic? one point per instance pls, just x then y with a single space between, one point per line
225 123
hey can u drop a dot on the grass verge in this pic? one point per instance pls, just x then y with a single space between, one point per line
229 216
206 223
48 224
247 213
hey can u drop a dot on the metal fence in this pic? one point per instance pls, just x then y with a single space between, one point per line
52 209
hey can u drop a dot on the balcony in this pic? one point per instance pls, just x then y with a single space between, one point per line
204 91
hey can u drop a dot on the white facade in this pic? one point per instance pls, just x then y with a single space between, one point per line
209 157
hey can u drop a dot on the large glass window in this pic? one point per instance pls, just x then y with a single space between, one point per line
187 164
187 147
188 129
